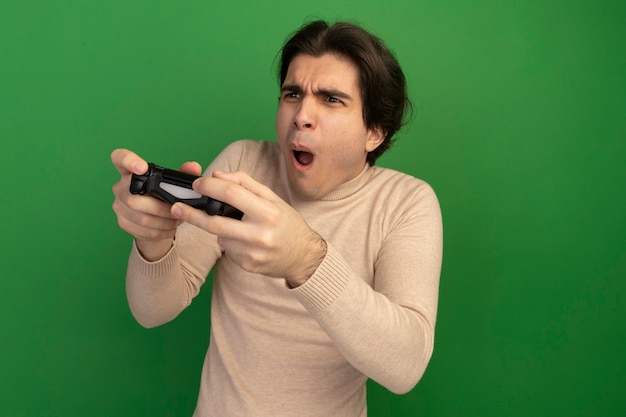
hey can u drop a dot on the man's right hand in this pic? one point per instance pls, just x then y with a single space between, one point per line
147 219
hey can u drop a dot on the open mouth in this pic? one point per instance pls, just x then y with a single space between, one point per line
303 158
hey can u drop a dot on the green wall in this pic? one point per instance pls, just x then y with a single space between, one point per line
520 126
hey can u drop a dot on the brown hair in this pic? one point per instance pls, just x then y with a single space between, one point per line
382 82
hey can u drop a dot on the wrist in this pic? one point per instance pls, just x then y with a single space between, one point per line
310 262
153 250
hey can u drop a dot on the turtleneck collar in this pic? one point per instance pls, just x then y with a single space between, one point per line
342 191
348 188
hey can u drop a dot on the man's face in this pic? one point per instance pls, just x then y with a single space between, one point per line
320 126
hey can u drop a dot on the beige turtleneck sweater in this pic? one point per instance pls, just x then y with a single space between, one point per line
367 312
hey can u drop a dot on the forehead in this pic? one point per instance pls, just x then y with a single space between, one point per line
328 71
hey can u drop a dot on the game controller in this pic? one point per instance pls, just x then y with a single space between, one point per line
175 186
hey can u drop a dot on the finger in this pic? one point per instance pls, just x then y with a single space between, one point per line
193 168
140 231
236 195
247 182
149 205
136 208
128 162
139 203
144 225
216 225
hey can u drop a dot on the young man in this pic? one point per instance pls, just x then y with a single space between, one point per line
332 275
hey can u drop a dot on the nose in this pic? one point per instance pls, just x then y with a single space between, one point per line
305 115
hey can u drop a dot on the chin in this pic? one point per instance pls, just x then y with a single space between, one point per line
303 191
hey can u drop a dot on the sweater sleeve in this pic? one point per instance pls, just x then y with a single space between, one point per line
386 331
159 291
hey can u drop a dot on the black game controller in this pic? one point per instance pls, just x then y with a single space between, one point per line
175 186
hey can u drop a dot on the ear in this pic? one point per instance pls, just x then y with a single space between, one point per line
375 137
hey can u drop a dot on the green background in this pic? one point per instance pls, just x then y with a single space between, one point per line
519 125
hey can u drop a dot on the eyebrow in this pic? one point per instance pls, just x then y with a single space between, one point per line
330 92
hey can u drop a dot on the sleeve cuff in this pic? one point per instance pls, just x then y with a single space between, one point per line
325 285
144 267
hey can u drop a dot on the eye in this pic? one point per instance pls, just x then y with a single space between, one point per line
332 99
290 95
